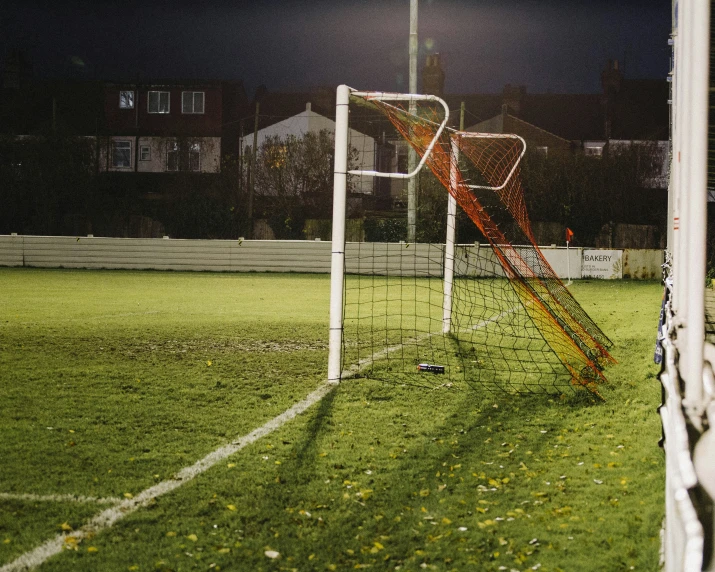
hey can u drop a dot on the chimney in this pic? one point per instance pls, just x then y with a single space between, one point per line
611 78
611 82
512 97
433 76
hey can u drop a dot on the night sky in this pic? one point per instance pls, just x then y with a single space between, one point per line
547 45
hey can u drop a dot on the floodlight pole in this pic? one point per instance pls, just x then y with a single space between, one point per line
337 260
411 153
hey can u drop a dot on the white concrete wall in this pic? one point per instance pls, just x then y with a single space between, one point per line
278 256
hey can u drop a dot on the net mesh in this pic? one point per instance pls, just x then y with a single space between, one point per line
512 325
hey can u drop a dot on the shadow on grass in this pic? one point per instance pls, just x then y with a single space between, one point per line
444 468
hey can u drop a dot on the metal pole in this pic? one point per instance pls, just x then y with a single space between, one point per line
411 153
696 16
337 266
252 172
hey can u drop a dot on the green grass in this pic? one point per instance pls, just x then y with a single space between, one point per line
106 389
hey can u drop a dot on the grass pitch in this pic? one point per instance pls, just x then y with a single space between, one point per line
113 381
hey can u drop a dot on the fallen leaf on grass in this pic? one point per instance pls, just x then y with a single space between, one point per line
171 533
272 554
92 549
231 507
65 526
192 537
128 495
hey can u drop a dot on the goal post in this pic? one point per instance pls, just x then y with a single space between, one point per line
340 184
493 315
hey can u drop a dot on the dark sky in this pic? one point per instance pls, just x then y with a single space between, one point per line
557 45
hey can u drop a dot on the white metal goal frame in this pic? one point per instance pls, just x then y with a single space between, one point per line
688 409
340 182
341 173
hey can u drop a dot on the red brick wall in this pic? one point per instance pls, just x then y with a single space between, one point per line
175 123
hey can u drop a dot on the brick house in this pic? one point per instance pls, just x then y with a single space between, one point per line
162 127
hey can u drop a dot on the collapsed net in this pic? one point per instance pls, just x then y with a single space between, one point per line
511 325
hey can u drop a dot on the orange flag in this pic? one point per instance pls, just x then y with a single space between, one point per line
569 234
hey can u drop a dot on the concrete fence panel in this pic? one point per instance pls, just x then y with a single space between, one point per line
287 256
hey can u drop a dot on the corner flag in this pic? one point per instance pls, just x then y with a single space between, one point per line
569 235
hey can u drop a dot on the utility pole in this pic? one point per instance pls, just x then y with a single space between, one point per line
411 153
252 172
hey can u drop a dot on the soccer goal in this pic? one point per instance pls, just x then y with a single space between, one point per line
491 314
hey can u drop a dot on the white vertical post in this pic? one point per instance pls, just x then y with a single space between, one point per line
679 79
450 240
568 263
411 153
337 265
695 16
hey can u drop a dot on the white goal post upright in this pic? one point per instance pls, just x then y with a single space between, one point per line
450 240
337 260
340 185
687 377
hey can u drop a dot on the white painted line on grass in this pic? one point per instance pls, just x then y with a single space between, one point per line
488 321
59 498
108 517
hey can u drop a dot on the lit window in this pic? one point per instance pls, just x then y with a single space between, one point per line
145 153
122 154
158 102
276 155
126 100
192 102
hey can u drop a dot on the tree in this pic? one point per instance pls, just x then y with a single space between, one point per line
585 193
294 180
47 183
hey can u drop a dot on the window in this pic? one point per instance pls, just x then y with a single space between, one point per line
172 156
126 99
192 102
594 148
194 157
542 150
185 157
145 153
122 154
158 102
